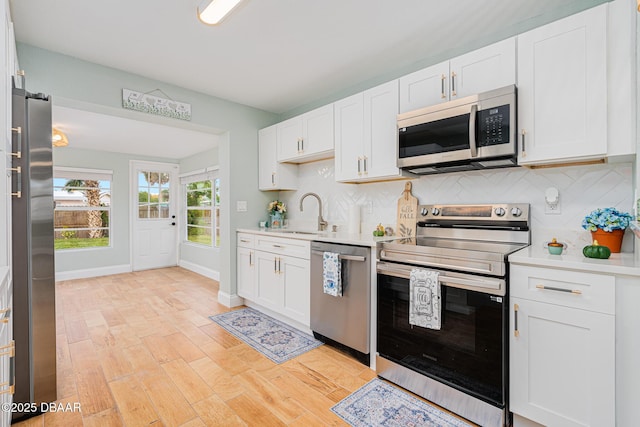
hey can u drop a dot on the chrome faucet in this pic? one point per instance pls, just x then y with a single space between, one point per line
322 224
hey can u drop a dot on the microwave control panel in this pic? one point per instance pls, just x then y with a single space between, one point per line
493 126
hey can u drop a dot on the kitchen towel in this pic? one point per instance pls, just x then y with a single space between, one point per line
331 274
424 298
354 219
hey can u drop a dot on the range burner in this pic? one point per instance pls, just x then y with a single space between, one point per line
468 238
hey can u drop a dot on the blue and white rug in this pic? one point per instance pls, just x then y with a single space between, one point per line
276 340
380 404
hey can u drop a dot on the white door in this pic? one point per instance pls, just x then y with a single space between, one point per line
348 137
562 89
380 130
154 215
485 69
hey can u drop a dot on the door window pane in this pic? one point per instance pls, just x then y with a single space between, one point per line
153 195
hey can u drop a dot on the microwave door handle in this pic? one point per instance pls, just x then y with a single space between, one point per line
472 131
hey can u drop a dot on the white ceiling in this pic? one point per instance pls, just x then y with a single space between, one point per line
95 131
275 55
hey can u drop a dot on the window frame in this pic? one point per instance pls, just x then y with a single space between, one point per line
208 174
84 174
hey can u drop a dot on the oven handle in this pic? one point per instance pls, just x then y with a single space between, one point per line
405 273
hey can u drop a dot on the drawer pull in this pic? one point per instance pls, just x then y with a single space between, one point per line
553 288
245 241
516 332
277 246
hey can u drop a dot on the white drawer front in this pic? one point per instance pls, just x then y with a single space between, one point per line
587 291
292 247
245 240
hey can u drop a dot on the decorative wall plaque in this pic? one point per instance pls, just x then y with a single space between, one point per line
147 103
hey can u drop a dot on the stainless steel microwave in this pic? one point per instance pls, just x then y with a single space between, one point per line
475 132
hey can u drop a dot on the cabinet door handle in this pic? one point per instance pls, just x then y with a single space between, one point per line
302 144
273 178
524 150
516 332
359 169
298 145
250 258
364 161
275 264
280 265
453 84
553 288
442 94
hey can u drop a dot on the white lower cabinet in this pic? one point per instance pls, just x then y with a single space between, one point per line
275 273
562 347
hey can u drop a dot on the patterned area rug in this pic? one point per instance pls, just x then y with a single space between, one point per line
380 404
276 340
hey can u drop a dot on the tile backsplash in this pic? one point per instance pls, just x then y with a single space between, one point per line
581 189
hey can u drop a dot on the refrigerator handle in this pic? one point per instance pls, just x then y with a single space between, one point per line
18 169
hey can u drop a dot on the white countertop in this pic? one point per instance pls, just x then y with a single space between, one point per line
363 239
620 263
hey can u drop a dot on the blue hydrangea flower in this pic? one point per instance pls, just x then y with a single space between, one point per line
607 219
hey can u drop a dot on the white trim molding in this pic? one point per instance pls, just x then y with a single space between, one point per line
93 272
203 271
229 300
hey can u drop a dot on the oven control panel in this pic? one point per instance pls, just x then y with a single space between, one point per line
481 212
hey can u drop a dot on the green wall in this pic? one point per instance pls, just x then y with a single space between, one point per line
79 84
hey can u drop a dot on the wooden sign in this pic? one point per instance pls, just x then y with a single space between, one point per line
407 211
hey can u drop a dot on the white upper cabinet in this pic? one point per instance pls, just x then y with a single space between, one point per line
562 90
366 135
307 137
428 86
271 174
485 69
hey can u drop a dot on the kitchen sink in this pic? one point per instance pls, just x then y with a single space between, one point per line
294 232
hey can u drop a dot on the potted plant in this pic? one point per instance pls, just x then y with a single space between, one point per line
277 211
607 226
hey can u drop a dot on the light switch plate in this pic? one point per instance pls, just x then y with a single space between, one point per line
241 206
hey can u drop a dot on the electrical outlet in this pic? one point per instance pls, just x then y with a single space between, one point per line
552 201
241 206
369 206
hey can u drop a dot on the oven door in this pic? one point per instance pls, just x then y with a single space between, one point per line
467 353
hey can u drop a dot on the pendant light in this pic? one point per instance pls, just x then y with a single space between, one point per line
58 138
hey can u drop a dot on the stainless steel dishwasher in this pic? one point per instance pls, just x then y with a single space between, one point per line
343 321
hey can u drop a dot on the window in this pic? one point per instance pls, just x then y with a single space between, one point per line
153 194
82 213
202 203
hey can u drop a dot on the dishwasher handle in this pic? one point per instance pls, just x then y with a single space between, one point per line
344 257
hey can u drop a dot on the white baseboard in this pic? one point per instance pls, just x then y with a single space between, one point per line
230 300
93 272
203 271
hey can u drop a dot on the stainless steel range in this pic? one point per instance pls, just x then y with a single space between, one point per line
463 365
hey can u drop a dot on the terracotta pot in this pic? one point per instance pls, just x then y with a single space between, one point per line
610 239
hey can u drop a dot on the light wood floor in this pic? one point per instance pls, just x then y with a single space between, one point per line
138 349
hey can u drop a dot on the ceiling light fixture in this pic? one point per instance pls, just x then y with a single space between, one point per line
58 138
213 11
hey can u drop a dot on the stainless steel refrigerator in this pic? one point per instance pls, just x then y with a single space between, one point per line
34 319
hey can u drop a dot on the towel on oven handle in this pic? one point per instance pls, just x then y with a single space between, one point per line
424 298
331 274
